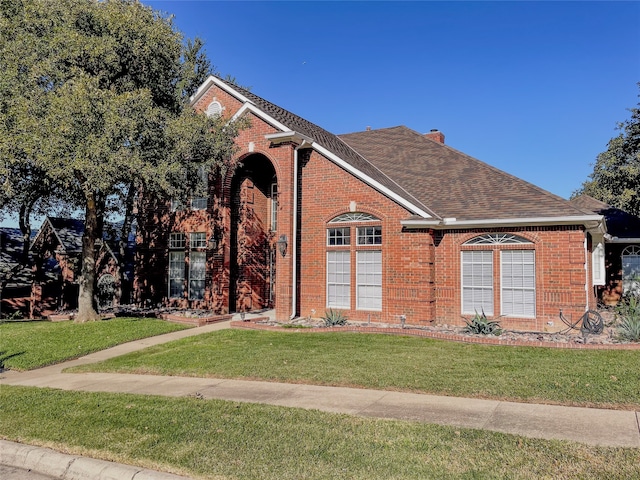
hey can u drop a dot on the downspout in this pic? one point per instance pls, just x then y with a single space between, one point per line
294 237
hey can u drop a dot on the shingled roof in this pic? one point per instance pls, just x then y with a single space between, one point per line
451 183
435 178
620 224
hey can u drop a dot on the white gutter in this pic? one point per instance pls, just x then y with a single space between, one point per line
590 221
610 239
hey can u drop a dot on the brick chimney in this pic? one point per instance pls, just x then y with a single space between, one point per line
436 135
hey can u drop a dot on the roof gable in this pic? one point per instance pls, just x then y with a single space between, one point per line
433 181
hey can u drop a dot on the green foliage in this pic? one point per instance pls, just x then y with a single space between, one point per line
616 173
628 313
333 318
93 106
481 325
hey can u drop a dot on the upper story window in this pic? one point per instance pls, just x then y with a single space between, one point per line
197 240
176 240
214 109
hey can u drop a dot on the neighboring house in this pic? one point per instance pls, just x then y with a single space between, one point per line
617 253
380 224
56 251
16 293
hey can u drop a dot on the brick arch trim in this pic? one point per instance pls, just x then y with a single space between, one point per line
342 211
530 236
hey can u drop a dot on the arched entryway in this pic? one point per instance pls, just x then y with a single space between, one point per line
253 235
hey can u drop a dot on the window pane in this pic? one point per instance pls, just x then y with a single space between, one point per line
339 279
198 240
518 283
338 236
197 267
199 203
176 240
370 235
477 282
176 274
369 280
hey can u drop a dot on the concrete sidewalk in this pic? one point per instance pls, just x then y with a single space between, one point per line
614 428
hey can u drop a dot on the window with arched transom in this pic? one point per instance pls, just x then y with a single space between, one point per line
354 239
514 279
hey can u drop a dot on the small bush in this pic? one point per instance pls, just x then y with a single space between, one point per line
628 312
481 325
334 317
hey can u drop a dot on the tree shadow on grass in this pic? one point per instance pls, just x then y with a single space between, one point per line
4 357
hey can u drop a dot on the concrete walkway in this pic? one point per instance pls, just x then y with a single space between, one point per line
614 428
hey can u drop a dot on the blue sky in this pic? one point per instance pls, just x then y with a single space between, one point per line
532 88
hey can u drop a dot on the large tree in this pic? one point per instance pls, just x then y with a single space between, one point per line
101 109
616 174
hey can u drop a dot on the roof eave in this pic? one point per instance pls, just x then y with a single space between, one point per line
591 222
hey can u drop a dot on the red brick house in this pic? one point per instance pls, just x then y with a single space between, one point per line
616 253
378 224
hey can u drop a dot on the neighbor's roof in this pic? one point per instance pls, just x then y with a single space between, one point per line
620 224
435 178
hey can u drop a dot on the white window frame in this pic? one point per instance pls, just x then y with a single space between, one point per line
369 283
598 269
524 290
476 288
197 240
274 207
341 281
177 240
369 235
175 273
197 276
198 203
338 237
630 258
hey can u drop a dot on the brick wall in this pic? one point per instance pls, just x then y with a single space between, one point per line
421 268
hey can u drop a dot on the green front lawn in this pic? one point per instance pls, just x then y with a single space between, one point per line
601 378
224 440
29 345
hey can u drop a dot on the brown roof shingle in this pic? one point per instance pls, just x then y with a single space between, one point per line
451 183
434 177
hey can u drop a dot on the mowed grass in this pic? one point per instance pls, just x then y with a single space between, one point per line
29 345
217 439
609 379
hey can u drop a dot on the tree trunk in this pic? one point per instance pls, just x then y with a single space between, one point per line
87 309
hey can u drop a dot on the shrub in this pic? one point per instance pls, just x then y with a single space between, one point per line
628 312
334 317
481 325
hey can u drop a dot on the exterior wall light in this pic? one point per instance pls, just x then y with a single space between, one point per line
282 244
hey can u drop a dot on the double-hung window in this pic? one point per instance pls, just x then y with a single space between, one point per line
192 255
364 254
515 286
176 265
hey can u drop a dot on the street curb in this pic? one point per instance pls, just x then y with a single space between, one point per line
73 467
